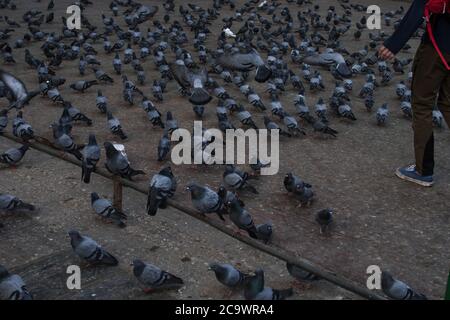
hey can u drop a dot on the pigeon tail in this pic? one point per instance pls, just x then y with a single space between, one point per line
263 73
199 96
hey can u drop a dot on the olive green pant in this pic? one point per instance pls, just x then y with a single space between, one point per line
431 80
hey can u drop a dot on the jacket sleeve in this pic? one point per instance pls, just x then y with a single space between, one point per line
409 24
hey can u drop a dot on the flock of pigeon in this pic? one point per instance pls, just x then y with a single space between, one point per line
303 36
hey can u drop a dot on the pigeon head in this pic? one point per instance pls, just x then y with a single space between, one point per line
110 149
195 190
222 192
386 280
94 197
166 171
138 267
74 235
92 139
3 272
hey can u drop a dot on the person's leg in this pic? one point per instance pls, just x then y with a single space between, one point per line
428 76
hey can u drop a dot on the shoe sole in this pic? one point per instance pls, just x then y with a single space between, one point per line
421 183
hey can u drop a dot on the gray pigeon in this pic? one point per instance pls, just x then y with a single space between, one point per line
382 114
10 203
324 218
91 155
398 290
255 289
21 128
13 155
206 200
90 251
228 275
153 278
236 179
82 85
162 186
246 62
118 164
242 219
20 94
104 208
64 141
12 286
114 126
264 232
190 80
330 58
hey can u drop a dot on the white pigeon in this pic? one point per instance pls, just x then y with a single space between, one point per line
229 33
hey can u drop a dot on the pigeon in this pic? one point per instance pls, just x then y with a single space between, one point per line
329 58
21 128
255 289
292 182
104 208
91 155
162 186
382 114
300 274
321 110
14 155
188 79
153 278
88 250
117 64
76 114
12 286
299 188
228 275
242 219
271 125
101 75
398 290
101 102
11 203
406 108
245 117
291 124
236 179
320 126
171 123
438 118
205 200
82 85
118 164
152 113
345 111
163 146
19 93
114 126
264 232
228 196
64 141
246 62
324 218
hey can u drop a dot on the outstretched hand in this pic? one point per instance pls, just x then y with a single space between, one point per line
384 53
